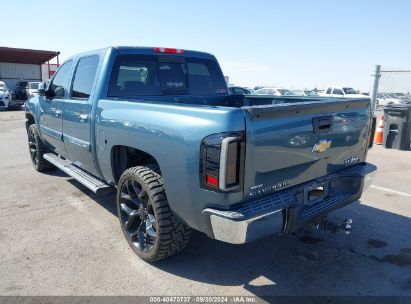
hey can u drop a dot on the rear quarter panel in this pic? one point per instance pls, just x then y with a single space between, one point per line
172 134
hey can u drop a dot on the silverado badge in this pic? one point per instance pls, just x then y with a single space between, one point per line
351 160
322 146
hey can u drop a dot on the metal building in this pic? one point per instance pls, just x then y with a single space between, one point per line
24 64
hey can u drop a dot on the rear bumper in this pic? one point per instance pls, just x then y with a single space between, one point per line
286 210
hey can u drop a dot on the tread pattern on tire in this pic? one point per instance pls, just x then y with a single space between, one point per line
172 235
42 164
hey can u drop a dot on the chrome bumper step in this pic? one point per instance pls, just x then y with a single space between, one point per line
84 178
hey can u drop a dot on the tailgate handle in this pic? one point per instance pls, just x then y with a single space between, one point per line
322 124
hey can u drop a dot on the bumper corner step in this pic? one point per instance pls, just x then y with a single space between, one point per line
84 178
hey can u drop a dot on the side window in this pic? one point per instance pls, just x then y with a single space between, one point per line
60 80
338 92
328 91
84 77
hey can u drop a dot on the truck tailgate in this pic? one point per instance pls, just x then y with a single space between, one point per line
288 144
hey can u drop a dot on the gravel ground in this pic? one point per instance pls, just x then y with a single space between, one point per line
58 238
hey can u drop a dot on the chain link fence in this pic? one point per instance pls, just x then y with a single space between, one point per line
391 86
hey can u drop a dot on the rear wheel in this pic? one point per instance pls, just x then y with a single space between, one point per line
37 149
148 224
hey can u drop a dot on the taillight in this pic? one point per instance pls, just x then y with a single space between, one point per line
222 161
168 50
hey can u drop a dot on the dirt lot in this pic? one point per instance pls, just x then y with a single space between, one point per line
57 238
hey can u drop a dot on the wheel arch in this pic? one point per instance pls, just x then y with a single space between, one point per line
29 120
124 157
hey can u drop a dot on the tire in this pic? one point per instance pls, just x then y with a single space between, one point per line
37 149
148 224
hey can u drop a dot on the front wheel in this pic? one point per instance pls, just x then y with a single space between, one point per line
148 224
37 149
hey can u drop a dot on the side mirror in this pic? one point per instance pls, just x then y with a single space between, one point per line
42 89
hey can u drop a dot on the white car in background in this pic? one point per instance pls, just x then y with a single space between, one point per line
386 99
275 92
5 96
342 91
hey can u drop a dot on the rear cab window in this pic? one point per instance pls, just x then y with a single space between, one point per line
156 75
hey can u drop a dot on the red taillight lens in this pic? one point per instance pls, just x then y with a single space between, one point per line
212 181
168 50
222 162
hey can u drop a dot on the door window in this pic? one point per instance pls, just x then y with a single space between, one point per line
60 81
84 77
329 91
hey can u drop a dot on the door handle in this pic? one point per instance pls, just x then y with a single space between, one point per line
82 117
322 124
56 112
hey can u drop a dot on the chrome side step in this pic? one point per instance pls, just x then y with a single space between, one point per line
92 183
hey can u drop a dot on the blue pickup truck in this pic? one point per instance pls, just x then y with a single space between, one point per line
159 127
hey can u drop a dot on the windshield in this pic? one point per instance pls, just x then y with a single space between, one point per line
298 93
34 85
349 91
311 93
2 87
144 75
21 84
241 91
285 92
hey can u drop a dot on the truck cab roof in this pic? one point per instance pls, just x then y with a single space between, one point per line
147 51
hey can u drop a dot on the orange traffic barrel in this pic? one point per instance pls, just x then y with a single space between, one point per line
379 131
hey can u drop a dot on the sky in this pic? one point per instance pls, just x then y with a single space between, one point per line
298 44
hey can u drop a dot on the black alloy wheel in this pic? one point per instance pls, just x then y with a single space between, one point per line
137 215
148 223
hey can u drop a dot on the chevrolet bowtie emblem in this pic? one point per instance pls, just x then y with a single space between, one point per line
322 145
